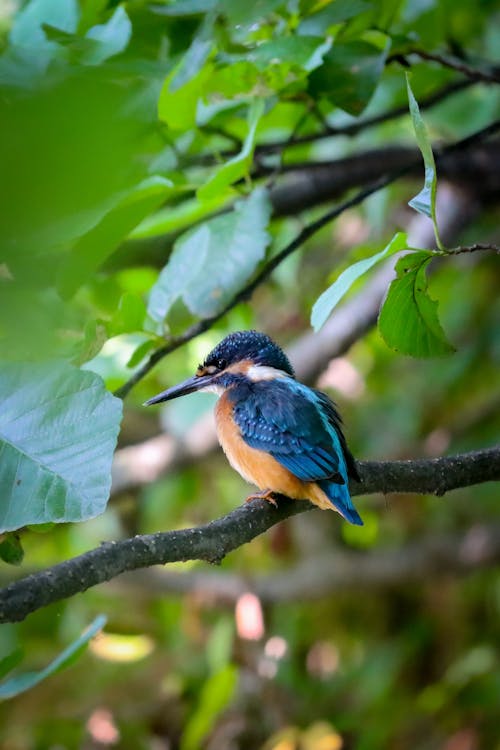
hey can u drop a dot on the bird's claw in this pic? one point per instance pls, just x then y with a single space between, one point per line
263 495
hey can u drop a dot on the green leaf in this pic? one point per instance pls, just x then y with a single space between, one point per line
95 336
185 7
214 698
247 13
331 297
27 35
211 263
21 683
91 250
111 37
408 321
141 352
177 108
11 550
239 80
58 430
129 316
100 42
88 135
333 13
304 52
425 201
188 257
349 75
9 662
174 218
196 56
240 164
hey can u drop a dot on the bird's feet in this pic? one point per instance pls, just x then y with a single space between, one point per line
263 495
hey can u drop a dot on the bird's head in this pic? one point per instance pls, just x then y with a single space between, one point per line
244 355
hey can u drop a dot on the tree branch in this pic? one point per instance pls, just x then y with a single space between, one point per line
214 540
354 128
476 75
321 575
474 248
305 185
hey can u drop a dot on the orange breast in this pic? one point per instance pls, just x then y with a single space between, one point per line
258 467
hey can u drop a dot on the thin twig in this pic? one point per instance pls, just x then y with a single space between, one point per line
473 248
215 540
349 130
476 75
354 128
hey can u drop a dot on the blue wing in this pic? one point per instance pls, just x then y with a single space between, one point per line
301 429
284 418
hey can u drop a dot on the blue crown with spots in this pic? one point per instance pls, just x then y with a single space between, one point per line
253 345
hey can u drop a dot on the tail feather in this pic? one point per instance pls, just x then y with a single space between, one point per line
338 495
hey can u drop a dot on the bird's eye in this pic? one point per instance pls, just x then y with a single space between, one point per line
221 364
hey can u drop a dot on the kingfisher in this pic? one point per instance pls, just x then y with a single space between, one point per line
278 433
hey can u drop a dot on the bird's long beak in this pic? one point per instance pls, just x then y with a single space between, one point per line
196 383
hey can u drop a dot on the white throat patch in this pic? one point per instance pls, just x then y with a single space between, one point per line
263 372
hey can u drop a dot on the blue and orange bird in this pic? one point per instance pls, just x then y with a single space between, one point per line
277 433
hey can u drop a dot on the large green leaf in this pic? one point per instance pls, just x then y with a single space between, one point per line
95 246
349 75
425 201
110 38
239 165
58 430
70 150
408 320
331 297
212 262
16 685
27 37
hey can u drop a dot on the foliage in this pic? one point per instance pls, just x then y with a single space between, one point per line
56 421
408 319
16 685
156 159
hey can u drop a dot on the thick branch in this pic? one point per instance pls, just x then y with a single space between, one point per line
214 540
321 575
312 183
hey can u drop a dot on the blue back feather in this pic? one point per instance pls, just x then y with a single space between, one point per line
301 429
